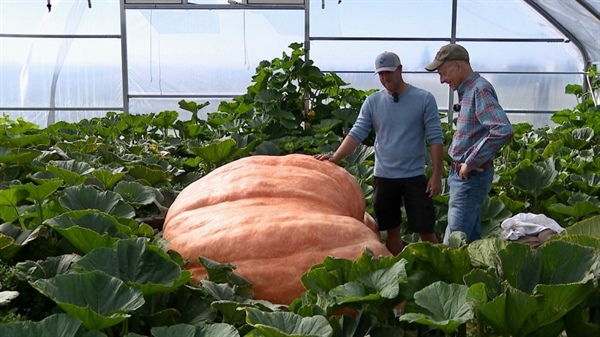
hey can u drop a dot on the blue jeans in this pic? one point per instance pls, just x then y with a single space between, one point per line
466 198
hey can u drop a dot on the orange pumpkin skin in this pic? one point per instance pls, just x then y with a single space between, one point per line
273 217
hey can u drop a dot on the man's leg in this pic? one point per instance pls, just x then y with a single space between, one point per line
464 206
393 241
387 206
431 237
419 208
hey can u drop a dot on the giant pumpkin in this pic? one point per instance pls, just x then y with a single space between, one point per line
273 217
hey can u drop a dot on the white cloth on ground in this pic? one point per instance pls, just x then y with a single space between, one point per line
524 224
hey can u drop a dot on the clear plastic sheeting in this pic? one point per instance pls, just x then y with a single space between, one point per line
69 64
581 18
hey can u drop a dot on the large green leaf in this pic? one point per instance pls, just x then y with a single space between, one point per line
57 325
577 211
508 312
385 281
535 178
217 152
352 292
565 263
71 171
97 299
287 324
89 229
588 183
333 272
542 285
98 221
17 157
521 266
13 238
150 175
558 301
578 138
84 197
484 253
444 306
52 266
493 213
109 178
223 273
140 265
136 194
185 330
448 263
40 192
12 196
590 226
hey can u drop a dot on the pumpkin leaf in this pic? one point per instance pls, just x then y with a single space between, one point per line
385 281
136 194
40 192
208 330
280 324
444 306
97 299
508 312
533 179
139 265
587 183
484 253
589 226
449 264
223 273
18 156
12 196
215 153
352 292
57 325
71 171
109 178
87 230
542 285
151 176
493 213
52 266
83 197
13 238
577 211
223 291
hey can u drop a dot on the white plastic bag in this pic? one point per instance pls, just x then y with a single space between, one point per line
524 224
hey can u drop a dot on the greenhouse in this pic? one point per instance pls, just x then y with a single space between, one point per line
69 60
288 168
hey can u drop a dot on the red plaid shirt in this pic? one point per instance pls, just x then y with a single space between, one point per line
482 127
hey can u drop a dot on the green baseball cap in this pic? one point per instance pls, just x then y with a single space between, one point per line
449 52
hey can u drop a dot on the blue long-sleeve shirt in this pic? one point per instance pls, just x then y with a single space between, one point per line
400 130
482 126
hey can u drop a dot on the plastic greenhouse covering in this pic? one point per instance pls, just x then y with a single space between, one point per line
69 60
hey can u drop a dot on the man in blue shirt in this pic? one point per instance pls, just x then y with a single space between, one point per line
482 128
403 117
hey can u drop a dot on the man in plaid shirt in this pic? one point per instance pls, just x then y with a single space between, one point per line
482 129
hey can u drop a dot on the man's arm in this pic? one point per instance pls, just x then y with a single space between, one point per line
434 186
349 144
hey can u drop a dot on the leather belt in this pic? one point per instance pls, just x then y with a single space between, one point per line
455 165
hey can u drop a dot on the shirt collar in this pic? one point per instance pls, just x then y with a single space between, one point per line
467 83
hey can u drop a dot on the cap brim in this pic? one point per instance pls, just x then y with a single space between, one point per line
434 65
385 69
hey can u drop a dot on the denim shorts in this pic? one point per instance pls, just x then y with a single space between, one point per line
390 195
466 198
